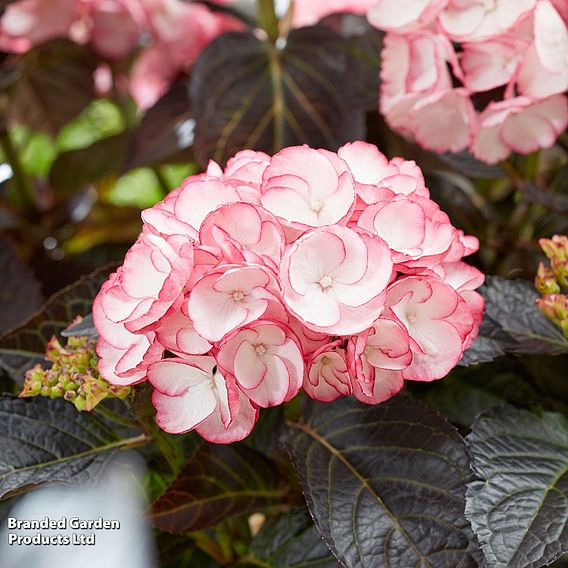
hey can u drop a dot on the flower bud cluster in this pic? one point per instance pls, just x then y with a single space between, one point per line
331 272
73 375
551 280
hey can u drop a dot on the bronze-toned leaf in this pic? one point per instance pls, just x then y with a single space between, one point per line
247 93
218 482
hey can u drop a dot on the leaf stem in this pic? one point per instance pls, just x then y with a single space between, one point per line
116 418
267 19
278 106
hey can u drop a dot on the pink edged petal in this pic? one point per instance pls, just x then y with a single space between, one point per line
198 198
267 348
177 334
537 126
551 38
327 376
244 419
180 414
273 389
304 188
489 147
443 349
407 15
229 297
384 385
334 296
249 366
366 163
443 122
173 377
437 321
388 345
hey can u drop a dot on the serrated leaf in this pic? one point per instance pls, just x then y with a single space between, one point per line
291 541
55 84
218 482
20 293
512 323
23 347
47 441
247 93
517 504
385 484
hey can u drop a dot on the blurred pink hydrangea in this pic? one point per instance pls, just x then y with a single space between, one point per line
166 36
334 273
439 54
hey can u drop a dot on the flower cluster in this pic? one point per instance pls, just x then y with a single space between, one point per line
488 76
164 36
551 280
334 272
73 375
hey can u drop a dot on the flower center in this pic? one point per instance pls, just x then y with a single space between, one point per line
411 317
260 350
325 360
325 282
316 205
238 296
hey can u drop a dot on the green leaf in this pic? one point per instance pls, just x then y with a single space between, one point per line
385 484
54 85
24 347
20 293
517 504
74 169
290 541
48 441
247 93
512 323
218 482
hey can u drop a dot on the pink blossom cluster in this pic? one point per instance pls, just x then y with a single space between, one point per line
164 36
331 272
485 75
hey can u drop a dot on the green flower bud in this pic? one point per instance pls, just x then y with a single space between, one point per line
545 281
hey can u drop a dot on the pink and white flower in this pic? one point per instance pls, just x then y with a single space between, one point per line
266 361
244 232
192 394
307 188
544 71
124 356
153 275
334 279
519 125
437 320
425 240
372 172
230 297
255 304
477 20
327 376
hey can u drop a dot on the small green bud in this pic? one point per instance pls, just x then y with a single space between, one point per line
545 281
